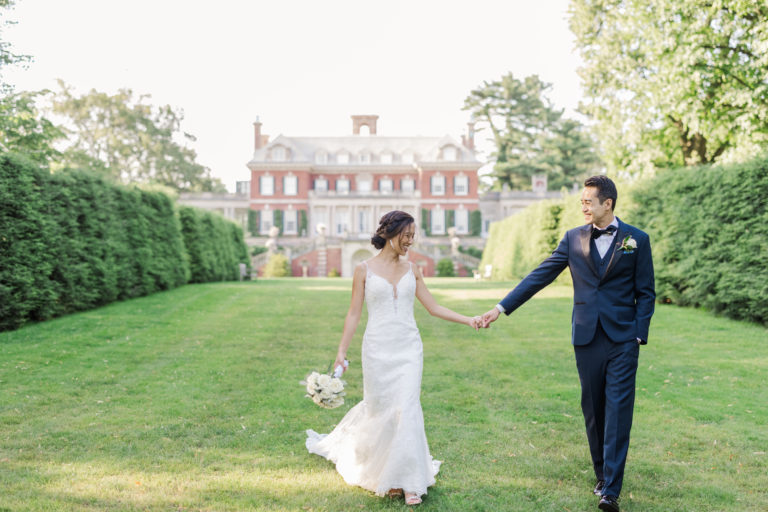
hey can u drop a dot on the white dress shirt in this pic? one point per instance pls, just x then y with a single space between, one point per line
603 243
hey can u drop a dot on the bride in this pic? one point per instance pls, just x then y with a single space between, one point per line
380 444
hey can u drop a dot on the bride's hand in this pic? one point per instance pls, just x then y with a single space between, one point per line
476 322
339 362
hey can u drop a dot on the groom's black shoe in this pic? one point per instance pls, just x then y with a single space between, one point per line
609 503
599 488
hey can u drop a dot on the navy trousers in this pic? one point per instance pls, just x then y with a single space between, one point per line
607 373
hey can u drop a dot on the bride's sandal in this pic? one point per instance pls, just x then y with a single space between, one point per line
412 498
395 493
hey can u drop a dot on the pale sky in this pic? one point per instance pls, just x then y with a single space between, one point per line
303 66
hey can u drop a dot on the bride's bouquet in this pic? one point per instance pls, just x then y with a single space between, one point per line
326 389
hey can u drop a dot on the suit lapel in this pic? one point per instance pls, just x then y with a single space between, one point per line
586 235
616 255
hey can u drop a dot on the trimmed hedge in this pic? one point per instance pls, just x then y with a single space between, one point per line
215 246
709 229
71 241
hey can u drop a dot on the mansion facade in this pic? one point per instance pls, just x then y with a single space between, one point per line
325 195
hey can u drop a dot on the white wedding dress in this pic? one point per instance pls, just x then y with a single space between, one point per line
380 444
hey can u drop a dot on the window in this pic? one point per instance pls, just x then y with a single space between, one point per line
290 222
386 186
364 186
342 186
266 221
365 158
437 185
449 153
290 185
362 221
437 217
407 185
321 157
321 185
342 158
267 185
407 157
461 218
461 185
279 154
320 216
386 158
342 221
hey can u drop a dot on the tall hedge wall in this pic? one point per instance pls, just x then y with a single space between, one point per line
709 230
215 246
71 241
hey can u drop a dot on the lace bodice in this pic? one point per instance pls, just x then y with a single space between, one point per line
387 302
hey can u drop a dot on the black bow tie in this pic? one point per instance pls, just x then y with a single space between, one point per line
597 233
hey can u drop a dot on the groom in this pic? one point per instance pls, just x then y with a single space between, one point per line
613 300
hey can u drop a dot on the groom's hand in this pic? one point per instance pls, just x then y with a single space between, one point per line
489 317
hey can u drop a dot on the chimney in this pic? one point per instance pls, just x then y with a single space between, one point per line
469 141
257 138
364 120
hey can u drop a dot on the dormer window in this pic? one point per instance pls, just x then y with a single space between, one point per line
450 154
321 157
279 154
365 158
407 157
342 158
386 158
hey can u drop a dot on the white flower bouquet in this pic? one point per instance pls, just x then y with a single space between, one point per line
324 389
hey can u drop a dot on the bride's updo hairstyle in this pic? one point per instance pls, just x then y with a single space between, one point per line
391 225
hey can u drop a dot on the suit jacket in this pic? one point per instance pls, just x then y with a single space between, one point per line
622 297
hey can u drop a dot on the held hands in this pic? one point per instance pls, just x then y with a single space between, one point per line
489 317
476 322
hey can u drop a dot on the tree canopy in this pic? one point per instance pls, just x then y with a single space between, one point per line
674 83
530 134
129 140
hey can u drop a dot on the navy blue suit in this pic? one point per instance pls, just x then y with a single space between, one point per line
613 301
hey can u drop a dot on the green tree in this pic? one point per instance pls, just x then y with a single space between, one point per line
568 155
129 140
530 135
674 83
22 128
7 56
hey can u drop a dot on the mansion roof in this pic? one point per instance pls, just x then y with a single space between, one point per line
364 150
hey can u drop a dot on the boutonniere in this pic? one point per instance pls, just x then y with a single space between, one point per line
628 245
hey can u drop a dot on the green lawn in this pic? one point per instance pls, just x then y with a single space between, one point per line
190 400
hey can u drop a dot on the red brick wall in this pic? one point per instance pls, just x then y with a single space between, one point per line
334 259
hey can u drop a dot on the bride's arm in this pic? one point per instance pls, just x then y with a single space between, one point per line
353 315
435 309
